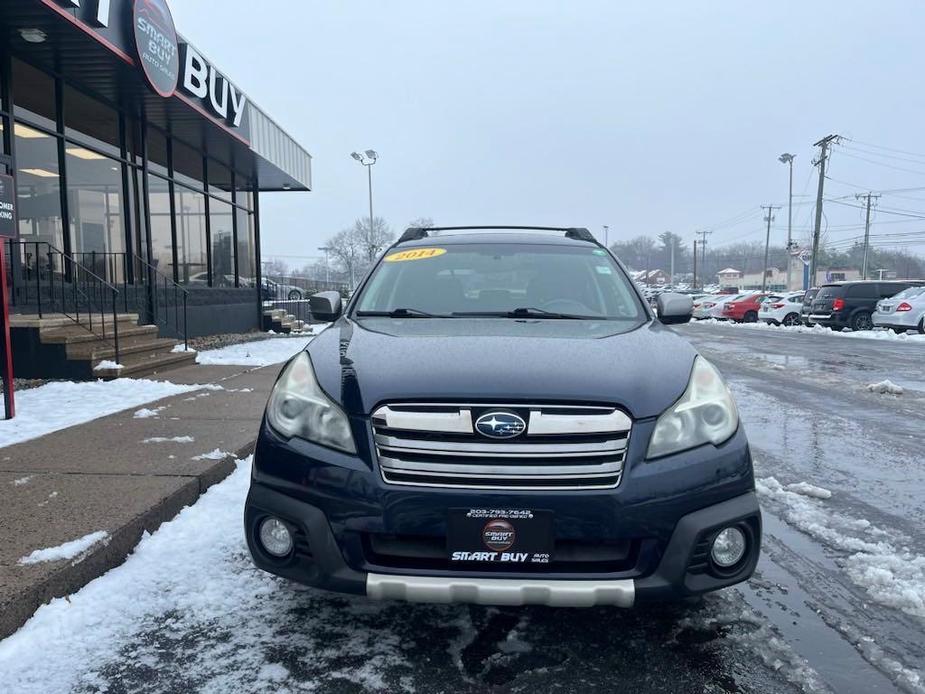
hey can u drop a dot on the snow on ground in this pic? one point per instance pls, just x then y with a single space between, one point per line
228 620
876 560
21 481
59 405
108 364
169 439
69 550
887 335
273 350
214 454
145 413
811 490
886 387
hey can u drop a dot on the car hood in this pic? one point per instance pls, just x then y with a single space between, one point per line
644 370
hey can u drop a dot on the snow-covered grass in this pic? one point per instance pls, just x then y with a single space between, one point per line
59 405
876 560
68 550
883 335
273 350
886 387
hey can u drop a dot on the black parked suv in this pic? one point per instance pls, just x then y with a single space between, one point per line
498 417
852 304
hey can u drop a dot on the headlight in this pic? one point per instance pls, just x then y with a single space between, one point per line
706 413
298 407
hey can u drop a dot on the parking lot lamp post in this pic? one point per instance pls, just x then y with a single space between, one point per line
327 267
786 158
367 159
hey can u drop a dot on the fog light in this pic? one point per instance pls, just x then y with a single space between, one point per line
275 537
728 548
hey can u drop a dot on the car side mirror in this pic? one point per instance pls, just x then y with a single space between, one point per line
325 306
674 308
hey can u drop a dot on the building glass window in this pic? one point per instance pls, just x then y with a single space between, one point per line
222 233
220 181
161 230
96 208
187 165
38 189
157 151
190 209
34 95
247 248
91 121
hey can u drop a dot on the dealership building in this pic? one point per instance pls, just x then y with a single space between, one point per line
136 166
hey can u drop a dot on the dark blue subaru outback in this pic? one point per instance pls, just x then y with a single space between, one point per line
498 417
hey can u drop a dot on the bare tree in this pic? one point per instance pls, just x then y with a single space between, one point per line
346 249
372 240
275 267
421 223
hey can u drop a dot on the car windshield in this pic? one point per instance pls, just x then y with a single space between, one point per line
501 280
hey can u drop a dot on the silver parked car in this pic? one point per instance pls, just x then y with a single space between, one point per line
905 311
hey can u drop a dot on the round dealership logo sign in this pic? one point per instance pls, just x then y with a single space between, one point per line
500 425
156 42
498 535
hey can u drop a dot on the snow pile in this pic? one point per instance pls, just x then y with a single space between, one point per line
68 550
108 365
817 329
810 490
59 405
21 481
891 575
273 350
181 348
215 454
145 413
886 387
169 439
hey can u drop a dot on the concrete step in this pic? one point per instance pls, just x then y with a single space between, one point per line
77 334
57 320
145 363
94 351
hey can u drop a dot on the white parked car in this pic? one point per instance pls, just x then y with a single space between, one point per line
713 308
782 310
905 311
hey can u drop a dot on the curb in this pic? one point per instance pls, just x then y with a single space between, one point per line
122 541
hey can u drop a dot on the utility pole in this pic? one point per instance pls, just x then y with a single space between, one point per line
703 254
823 146
869 197
695 264
671 245
606 236
787 158
767 244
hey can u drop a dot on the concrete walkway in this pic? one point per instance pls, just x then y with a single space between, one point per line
101 476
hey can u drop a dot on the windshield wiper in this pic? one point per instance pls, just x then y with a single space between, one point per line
399 313
527 312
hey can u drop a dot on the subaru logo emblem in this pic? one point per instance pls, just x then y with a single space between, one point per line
500 425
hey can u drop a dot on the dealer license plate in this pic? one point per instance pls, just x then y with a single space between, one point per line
501 536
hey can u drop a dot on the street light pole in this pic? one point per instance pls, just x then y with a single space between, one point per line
786 158
367 159
327 267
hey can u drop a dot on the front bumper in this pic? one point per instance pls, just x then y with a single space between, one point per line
673 507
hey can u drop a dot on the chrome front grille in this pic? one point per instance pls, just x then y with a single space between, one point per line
563 447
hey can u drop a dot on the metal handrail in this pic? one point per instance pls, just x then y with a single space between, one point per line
74 270
178 289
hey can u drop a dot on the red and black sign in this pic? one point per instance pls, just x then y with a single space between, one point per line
157 45
500 536
7 207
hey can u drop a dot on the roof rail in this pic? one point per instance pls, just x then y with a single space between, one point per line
578 233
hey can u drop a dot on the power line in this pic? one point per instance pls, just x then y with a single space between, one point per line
888 149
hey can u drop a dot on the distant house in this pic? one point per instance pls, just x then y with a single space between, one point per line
837 274
775 280
729 276
653 277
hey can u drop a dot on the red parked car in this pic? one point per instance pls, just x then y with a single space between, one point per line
745 310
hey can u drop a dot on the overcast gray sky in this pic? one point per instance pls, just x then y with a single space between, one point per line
645 116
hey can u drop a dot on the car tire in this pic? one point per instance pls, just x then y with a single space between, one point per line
751 317
862 321
791 319
295 295
922 325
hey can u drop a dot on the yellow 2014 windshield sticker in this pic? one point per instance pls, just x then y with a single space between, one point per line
414 254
